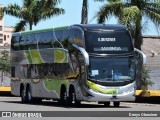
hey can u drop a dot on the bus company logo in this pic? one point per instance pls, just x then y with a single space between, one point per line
106 39
6 114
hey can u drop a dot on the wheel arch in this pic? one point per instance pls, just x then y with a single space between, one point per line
63 87
28 86
21 88
71 88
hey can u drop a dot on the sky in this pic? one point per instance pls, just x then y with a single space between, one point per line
72 16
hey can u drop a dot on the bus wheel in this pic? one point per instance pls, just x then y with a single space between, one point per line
63 96
23 96
29 95
116 104
106 104
72 98
37 100
76 102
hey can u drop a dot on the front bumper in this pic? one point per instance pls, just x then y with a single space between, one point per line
103 93
95 96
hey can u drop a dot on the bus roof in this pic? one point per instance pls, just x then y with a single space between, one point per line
113 27
41 30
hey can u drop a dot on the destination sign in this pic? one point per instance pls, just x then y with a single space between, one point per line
111 49
116 42
106 39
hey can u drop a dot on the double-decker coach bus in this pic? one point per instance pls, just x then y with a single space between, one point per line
73 64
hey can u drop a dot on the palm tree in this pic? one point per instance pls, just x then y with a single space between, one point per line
84 16
1 13
33 11
130 13
84 13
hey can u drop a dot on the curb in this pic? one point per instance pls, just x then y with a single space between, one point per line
5 89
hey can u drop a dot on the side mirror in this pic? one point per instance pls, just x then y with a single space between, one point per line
141 55
84 53
141 59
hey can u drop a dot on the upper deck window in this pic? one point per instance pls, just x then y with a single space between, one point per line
108 42
15 43
45 40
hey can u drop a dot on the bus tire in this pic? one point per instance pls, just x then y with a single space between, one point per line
116 104
31 99
106 104
77 102
72 97
23 95
29 95
63 96
37 100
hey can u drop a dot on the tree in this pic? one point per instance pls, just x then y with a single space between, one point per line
84 15
4 64
33 11
130 13
145 78
1 13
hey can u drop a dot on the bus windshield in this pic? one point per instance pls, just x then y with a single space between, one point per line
112 68
108 42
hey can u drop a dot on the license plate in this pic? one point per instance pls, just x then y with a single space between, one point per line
114 99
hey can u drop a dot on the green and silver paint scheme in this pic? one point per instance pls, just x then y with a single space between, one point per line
45 87
50 87
105 93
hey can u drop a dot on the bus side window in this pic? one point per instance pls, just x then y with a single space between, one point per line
41 40
39 37
57 39
12 71
21 43
29 67
76 37
49 39
24 42
53 67
26 39
32 42
45 40
15 43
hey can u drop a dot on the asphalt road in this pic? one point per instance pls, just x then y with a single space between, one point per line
86 110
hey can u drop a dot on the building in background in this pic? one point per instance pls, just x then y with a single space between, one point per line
5 31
